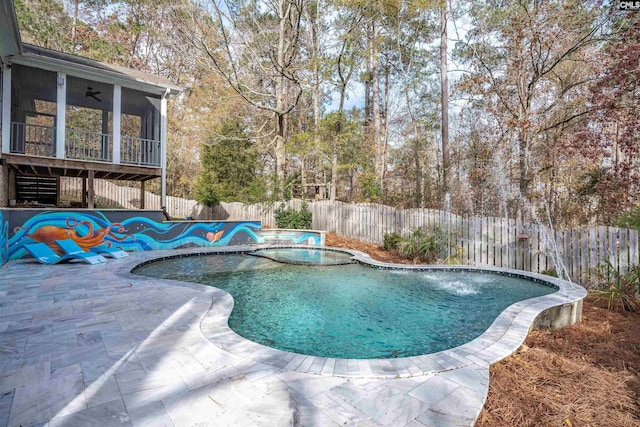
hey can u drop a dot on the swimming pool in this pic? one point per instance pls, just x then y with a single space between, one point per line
351 311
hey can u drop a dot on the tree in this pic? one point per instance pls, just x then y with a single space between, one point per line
348 26
229 167
255 47
410 31
610 137
444 111
44 23
527 60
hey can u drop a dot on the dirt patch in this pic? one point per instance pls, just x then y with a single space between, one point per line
376 252
586 374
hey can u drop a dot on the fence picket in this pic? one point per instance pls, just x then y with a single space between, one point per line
504 242
584 253
593 250
613 248
575 245
483 240
623 249
477 240
535 249
633 248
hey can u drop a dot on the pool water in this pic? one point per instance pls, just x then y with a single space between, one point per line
351 311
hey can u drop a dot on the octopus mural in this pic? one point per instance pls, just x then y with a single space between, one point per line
92 228
48 234
132 232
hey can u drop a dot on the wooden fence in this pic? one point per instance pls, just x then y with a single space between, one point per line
488 241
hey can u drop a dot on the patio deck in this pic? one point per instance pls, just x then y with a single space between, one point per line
95 345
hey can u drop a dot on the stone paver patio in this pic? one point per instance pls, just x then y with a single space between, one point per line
88 345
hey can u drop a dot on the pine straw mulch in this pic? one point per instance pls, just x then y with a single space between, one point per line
586 374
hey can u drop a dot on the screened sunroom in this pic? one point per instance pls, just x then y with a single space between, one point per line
65 115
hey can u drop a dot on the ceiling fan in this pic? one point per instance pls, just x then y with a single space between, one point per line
93 93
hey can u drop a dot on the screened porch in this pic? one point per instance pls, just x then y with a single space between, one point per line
67 117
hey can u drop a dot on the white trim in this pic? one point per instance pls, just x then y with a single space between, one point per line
61 115
163 148
91 73
11 43
6 109
117 109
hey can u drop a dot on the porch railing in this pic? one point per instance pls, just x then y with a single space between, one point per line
139 151
85 145
32 140
38 140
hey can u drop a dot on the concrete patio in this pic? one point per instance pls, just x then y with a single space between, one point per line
97 346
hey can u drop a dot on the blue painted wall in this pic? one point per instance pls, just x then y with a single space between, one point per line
134 231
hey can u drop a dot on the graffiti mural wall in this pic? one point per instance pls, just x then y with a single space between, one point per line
133 231
137 232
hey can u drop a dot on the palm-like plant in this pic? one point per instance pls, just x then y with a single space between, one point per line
620 289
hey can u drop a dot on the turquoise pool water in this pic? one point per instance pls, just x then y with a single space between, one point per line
351 311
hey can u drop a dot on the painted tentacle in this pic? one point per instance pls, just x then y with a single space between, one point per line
92 240
98 238
120 230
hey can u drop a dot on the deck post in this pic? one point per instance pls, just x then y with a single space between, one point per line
58 191
90 194
13 194
142 192
84 192
61 115
117 109
6 109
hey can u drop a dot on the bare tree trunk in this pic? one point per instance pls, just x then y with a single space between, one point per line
281 157
303 177
367 104
334 173
523 169
444 98
375 107
281 100
416 157
334 152
312 28
74 24
385 133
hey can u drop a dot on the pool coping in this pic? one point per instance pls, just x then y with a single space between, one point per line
505 335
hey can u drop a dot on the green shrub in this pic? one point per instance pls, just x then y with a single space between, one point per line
421 246
291 218
630 219
391 241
